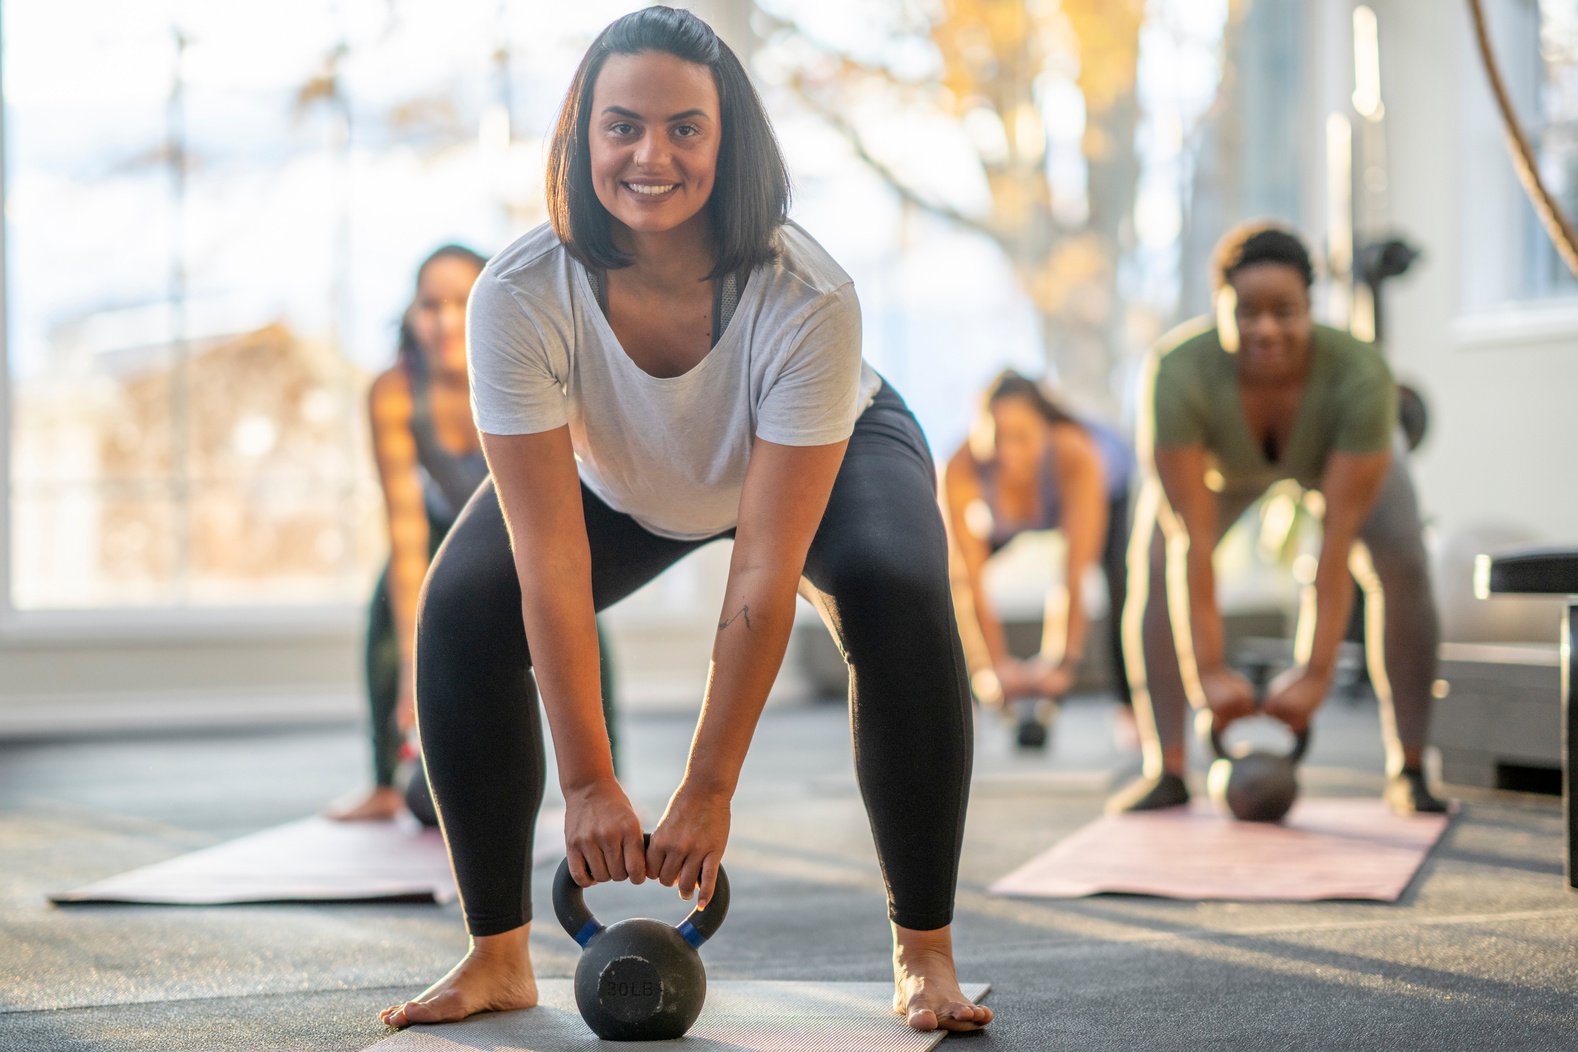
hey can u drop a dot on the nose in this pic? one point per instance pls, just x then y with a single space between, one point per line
652 151
1260 325
451 319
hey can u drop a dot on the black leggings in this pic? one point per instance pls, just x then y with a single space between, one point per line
1115 567
877 571
381 667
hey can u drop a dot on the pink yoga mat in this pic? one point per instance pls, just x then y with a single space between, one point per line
1326 849
313 860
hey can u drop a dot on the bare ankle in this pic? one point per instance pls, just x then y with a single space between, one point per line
912 943
513 943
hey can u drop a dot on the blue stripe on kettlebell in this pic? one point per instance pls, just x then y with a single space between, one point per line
688 932
588 931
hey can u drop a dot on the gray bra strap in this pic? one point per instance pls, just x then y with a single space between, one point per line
725 297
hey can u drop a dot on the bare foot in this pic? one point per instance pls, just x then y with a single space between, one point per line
494 976
380 805
925 990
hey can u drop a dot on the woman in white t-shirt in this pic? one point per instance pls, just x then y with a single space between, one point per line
671 362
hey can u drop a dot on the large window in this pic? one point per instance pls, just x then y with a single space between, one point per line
213 212
212 215
1555 137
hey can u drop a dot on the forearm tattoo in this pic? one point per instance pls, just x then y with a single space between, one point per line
745 612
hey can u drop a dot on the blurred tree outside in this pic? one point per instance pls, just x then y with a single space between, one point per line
223 211
993 65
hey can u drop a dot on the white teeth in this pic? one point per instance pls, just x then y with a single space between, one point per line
652 191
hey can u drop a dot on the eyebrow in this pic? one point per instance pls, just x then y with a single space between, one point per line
622 112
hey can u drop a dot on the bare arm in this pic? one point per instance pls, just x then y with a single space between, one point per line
784 496
1190 523
984 642
394 450
1350 484
1082 481
540 494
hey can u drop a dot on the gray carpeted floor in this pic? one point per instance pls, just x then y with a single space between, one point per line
1481 953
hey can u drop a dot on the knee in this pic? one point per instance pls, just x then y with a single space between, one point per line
440 607
887 593
1146 600
890 580
462 610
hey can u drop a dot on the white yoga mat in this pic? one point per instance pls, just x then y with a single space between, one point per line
738 1016
1326 849
312 860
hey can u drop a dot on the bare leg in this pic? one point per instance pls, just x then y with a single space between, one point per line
925 989
494 976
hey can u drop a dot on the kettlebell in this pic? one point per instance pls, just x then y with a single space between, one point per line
1253 785
638 979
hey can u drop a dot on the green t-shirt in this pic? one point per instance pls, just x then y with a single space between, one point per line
1349 405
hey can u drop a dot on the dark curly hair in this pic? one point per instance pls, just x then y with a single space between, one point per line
1259 242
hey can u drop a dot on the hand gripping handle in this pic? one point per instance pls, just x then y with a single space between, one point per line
569 905
1301 740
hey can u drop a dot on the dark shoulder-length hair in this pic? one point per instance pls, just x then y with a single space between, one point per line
750 194
1011 383
407 353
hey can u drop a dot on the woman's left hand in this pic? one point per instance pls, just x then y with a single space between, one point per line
1294 696
687 845
1050 680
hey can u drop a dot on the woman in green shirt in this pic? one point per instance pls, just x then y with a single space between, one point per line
1263 395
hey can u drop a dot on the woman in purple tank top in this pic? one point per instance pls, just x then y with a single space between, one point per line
1029 464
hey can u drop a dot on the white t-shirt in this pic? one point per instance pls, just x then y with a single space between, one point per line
668 451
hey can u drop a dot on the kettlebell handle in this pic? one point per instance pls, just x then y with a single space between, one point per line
569 905
1301 739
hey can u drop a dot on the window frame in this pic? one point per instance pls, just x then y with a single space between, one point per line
96 626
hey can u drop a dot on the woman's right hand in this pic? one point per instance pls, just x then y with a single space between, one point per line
1013 680
602 836
1229 696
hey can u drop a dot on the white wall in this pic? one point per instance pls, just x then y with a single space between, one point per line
84 673
1500 380
102 672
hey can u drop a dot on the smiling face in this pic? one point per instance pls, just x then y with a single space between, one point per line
1271 312
653 134
438 315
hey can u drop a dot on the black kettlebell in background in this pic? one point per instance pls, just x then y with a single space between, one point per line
638 979
1252 785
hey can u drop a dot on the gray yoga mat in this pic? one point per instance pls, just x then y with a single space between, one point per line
311 860
739 1016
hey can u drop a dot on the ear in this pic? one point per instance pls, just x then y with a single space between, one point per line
1227 318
